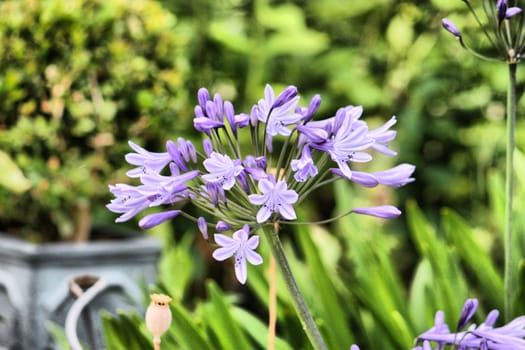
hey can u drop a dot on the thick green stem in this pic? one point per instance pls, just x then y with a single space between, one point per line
299 304
511 268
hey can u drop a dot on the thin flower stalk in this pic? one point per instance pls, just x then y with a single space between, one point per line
505 32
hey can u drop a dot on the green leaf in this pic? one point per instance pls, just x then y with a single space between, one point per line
257 329
219 318
186 331
477 259
58 335
338 334
11 176
450 289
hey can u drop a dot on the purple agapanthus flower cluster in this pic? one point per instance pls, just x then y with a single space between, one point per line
243 183
508 39
483 337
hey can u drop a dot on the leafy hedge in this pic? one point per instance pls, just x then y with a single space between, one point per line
78 79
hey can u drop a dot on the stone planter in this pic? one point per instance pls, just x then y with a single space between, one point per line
35 280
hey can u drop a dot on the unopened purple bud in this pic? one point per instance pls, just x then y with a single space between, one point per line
217 101
183 149
174 169
203 227
198 112
222 226
501 5
469 309
208 147
203 96
175 155
285 96
451 28
315 103
380 211
153 220
210 110
492 317
192 151
243 181
215 192
230 114
261 162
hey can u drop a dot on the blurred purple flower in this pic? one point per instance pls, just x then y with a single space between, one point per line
451 28
145 160
484 336
128 201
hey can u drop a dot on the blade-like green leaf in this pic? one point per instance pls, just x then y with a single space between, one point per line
477 259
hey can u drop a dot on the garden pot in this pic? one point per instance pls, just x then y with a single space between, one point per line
35 282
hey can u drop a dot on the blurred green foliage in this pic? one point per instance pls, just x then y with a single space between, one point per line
77 80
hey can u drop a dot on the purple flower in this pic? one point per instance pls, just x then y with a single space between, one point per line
240 246
155 219
349 139
167 189
275 198
280 113
304 167
380 211
145 160
450 27
484 336
129 201
222 169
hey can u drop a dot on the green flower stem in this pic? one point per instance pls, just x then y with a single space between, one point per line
299 304
511 268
